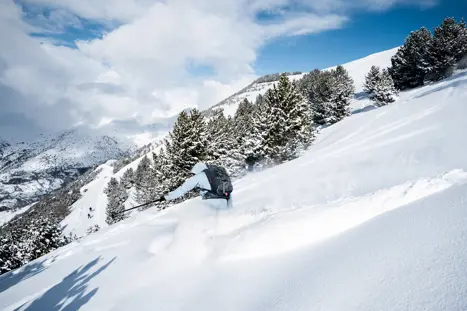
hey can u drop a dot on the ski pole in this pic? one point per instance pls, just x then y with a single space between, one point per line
129 209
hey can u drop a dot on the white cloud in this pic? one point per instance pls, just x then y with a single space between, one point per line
142 68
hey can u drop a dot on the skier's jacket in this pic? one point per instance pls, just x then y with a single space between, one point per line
199 180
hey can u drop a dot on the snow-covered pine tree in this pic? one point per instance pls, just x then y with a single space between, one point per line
242 127
384 91
258 100
145 182
11 253
290 123
223 147
162 171
217 135
300 128
234 160
246 108
242 120
116 195
343 90
307 81
128 178
161 177
20 246
253 140
45 236
371 79
320 92
462 43
446 49
410 64
186 146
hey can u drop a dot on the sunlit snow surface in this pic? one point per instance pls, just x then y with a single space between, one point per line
372 217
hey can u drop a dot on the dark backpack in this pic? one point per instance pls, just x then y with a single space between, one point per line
219 179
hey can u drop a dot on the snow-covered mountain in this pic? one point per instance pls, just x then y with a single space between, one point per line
372 217
30 169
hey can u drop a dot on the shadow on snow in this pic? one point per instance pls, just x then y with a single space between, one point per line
71 293
14 277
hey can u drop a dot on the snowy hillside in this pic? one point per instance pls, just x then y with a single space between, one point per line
77 222
29 169
357 70
372 217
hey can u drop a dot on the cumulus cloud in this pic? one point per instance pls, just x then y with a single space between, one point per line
144 67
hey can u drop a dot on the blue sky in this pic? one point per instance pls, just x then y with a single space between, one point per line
163 56
364 34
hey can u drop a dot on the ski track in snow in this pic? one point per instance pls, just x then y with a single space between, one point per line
372 217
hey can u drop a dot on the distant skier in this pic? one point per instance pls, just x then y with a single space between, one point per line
91 213
213 182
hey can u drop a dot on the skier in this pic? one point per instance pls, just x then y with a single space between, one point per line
91 213
212 181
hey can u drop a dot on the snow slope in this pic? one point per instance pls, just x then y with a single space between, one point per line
92 195
372 217
357 70
7 215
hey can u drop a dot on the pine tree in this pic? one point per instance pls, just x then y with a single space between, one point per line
343 90
462 46
320 93
446 49
307 81
288 129
128 178
19 246
409 65
162 171
223 147
243 130
242 120
371 79
234 160
217 135
116 195
246 108
186 146
253 141
46 236
11 253
161 175
384 91
145 183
